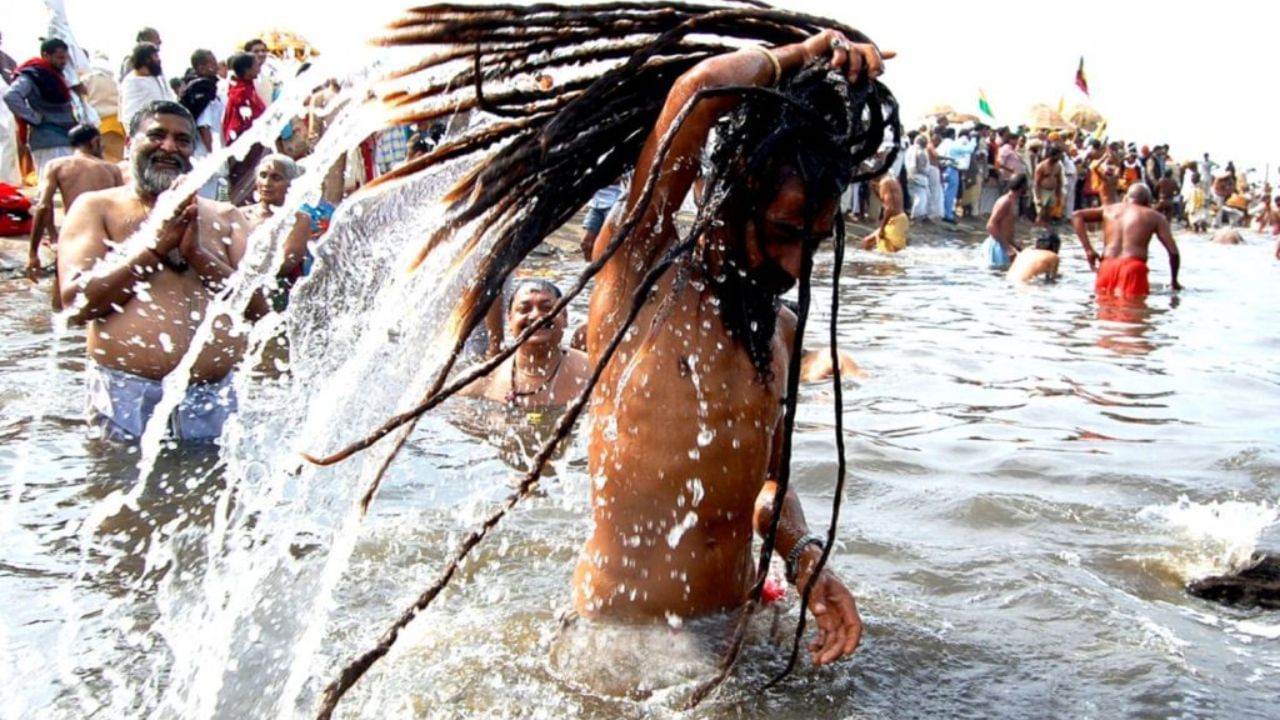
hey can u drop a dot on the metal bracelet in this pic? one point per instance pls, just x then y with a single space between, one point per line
793 558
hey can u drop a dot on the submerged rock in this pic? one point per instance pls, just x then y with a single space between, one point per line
1257 585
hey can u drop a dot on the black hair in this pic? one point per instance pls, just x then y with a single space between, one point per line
557 147
202 56
52 45
1019 182
248 47
1049 241
147 34
540 284
242 63
82 134
161 107
142 53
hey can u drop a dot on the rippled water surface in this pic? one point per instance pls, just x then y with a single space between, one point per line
1033 479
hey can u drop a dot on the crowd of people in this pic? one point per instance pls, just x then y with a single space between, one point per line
142 312
952 171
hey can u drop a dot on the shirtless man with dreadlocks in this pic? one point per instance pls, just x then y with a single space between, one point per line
687 438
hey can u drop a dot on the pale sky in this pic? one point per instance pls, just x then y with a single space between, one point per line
1160 74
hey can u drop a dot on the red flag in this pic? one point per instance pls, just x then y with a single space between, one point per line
1081 81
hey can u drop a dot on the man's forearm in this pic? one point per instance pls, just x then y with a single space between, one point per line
105 294
17 103
39 224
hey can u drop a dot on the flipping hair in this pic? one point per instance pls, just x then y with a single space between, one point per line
557 147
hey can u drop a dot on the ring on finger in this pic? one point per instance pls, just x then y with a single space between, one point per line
839 44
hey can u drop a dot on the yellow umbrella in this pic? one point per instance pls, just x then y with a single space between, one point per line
1084 117
1045 117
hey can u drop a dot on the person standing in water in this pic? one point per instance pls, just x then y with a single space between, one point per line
692 512
142 310
70 177
1127 229
998 250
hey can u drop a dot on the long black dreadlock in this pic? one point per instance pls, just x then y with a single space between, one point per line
555 148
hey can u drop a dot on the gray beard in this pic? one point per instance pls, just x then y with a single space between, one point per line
152 180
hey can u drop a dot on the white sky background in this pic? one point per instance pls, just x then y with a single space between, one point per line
1199 81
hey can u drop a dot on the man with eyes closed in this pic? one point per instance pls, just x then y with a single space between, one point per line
143 307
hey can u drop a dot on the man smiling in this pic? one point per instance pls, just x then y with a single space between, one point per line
143 308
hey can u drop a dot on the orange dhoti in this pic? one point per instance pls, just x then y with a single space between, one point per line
1122 277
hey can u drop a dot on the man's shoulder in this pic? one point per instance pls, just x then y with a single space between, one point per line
218 208
104 198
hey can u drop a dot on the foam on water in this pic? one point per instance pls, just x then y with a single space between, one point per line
1216 537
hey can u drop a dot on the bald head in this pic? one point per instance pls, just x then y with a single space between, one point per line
1139 194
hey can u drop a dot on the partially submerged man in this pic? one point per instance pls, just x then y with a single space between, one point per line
541 373
998 249
1127 228
69 177
891 236
1038 262
687 421
143 309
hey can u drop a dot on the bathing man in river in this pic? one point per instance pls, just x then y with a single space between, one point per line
143 310
1127 228
687 420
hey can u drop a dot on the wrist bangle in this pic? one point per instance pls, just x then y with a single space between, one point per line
773 60
793 558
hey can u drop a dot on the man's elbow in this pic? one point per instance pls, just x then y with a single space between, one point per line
763 513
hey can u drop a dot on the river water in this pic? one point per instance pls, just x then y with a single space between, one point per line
1033 480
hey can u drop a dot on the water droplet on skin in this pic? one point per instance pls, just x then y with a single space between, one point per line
677 532
674 621
695 454
705 436
696 491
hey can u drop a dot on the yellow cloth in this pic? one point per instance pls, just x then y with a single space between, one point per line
894 236
111 124
1238 201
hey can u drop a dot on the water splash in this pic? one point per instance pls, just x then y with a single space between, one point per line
1217 537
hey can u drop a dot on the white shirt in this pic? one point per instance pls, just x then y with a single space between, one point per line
212 119
137 92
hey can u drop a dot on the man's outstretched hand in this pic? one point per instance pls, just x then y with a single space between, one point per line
836 614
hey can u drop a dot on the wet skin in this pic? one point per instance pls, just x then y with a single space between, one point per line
685 433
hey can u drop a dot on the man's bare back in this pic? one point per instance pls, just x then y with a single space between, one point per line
78 174
69 177
1003 220
1127 229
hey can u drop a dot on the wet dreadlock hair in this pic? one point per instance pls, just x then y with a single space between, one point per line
794 132
557 146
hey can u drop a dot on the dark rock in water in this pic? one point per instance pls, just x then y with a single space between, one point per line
1258 585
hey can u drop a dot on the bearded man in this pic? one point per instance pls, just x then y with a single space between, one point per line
143 307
